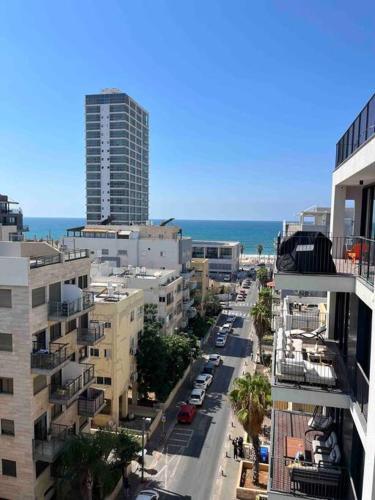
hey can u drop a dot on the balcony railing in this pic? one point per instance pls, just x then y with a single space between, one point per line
306 254
88 374
66 309
76 254
49 448
64 392
90 402
44 260
51 358
361 389
91 335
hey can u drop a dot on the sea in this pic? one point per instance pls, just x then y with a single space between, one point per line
249 233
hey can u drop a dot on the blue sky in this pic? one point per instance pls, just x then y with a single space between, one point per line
246 98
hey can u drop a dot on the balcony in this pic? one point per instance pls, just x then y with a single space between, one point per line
91 402
187 304
325 263
308 368
311 475
67 309
361 390
48 449
75 378
92 335
44 260
76 254
47 361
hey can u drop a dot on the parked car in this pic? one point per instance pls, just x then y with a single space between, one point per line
186 414
197 397
240 298
220 341
215 359
203 381
231 319
227 277
147 495
209 368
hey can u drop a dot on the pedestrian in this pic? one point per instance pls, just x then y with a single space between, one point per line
235 448
240 447
125 485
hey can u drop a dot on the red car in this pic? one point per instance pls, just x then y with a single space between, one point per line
186 414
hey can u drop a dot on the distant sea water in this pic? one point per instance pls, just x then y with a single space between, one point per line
249 233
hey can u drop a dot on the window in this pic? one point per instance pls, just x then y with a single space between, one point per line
122 252
104 380
105 251
55 332
82 281
132 316
9 467
5 298
70 326
40 467
161 299
39 383
6 385
107 324
7 427
107 353
94 352
38 296
6 342
162 254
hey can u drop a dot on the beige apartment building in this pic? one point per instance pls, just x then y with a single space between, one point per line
45 379
200 281
121 311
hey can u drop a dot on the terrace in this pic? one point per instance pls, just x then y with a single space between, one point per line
91 335
75 378
47 361
49 448
67 309
299 466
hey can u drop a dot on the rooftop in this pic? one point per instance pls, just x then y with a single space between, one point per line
105 293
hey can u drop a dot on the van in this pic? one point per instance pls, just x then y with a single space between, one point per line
209 368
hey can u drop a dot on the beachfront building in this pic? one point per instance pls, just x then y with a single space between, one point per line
200 282
117 158
161 287
323 380
317 218
11 220
120 310
223 256
45 379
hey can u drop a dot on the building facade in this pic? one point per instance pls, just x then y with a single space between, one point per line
117 158
323 382
223 256
11 220
200 282
121 311
45 380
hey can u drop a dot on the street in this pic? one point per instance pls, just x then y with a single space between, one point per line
189 464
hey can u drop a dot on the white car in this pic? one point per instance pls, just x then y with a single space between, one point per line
197 397
231 319
147 495
221 340
215 359
203 381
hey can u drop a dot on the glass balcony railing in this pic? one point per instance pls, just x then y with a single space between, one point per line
49 359
90 402
48 449
91 335
65 309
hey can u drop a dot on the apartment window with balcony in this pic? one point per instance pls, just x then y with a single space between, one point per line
5 298
6 385
6 342
38 296
7 427
9 467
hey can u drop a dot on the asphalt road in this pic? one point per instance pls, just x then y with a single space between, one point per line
189 464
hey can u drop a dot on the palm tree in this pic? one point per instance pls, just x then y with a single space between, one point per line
250 399
262 325
265 297
262 276
260 249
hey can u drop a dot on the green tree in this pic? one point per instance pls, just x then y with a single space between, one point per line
262 276
250 399
126 446
262 325
212 304
265 297
259 249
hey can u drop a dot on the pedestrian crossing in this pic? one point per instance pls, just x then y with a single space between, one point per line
239 314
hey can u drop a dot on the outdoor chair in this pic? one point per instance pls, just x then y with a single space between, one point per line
319 422
316 334
324 443
332 457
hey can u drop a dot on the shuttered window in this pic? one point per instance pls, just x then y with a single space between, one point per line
5 298
6 342
38 296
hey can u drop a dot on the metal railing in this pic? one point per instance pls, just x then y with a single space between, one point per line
88 374
47 449
327 255
76 254
65 309
90 402
92 334
44 260
361 389
65 391
309 480
48 359
307 320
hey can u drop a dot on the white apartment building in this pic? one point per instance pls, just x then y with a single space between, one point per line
323 381
223 256
45 379
162 287
117 158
